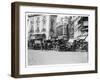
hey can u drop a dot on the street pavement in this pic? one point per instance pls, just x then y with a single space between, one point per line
39 57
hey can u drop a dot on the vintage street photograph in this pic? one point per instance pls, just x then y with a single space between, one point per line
56 38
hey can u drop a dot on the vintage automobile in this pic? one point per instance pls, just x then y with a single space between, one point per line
48 45
79 45
63 45
30 44
37 44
